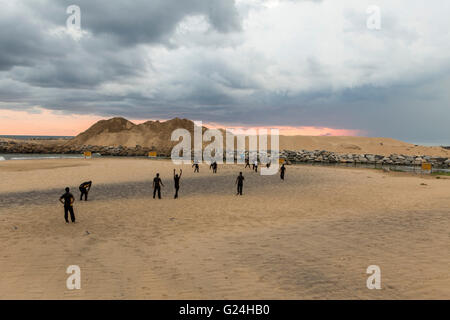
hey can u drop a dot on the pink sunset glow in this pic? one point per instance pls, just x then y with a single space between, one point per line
47 123
297 131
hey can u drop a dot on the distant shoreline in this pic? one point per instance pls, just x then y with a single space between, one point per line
30 137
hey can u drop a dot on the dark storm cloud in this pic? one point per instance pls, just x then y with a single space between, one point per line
80 68
22 41
413 111
143 21
58 61
131 61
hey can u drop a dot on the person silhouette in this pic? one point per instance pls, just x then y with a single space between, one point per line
157 183
176 179
85 187
67 199
282 171
240 183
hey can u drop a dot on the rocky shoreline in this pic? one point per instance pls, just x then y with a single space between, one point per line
302 156
322 156
38 148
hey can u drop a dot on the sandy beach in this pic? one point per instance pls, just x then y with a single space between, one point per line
310 237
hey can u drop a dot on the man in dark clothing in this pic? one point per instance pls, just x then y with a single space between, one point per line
214 167
282 171
247 163
157 183
240 183
268 164
84 189
176 179
196 167
67 200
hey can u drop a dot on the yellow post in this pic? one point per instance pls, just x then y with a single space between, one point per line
152 154
87 154
426 166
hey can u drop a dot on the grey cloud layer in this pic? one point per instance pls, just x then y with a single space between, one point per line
230 65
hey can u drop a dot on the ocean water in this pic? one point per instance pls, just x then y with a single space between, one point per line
35 137
19 156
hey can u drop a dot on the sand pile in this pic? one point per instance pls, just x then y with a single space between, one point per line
121 132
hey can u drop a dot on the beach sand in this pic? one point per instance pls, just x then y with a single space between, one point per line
310 237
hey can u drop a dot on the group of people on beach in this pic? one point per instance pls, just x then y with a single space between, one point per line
157 182
67 199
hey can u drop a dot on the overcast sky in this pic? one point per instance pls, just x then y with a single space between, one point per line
296 64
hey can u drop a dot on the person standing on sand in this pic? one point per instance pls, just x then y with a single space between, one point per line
214 167
247 163
282 171
176 179
240 183
157 183
84 189
196 167
256 166
68 205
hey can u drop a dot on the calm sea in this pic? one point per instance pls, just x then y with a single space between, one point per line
36 156
19 156
36 137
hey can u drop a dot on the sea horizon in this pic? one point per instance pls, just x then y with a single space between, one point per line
35 137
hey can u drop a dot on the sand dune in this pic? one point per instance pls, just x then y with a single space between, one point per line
359 145
312 236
